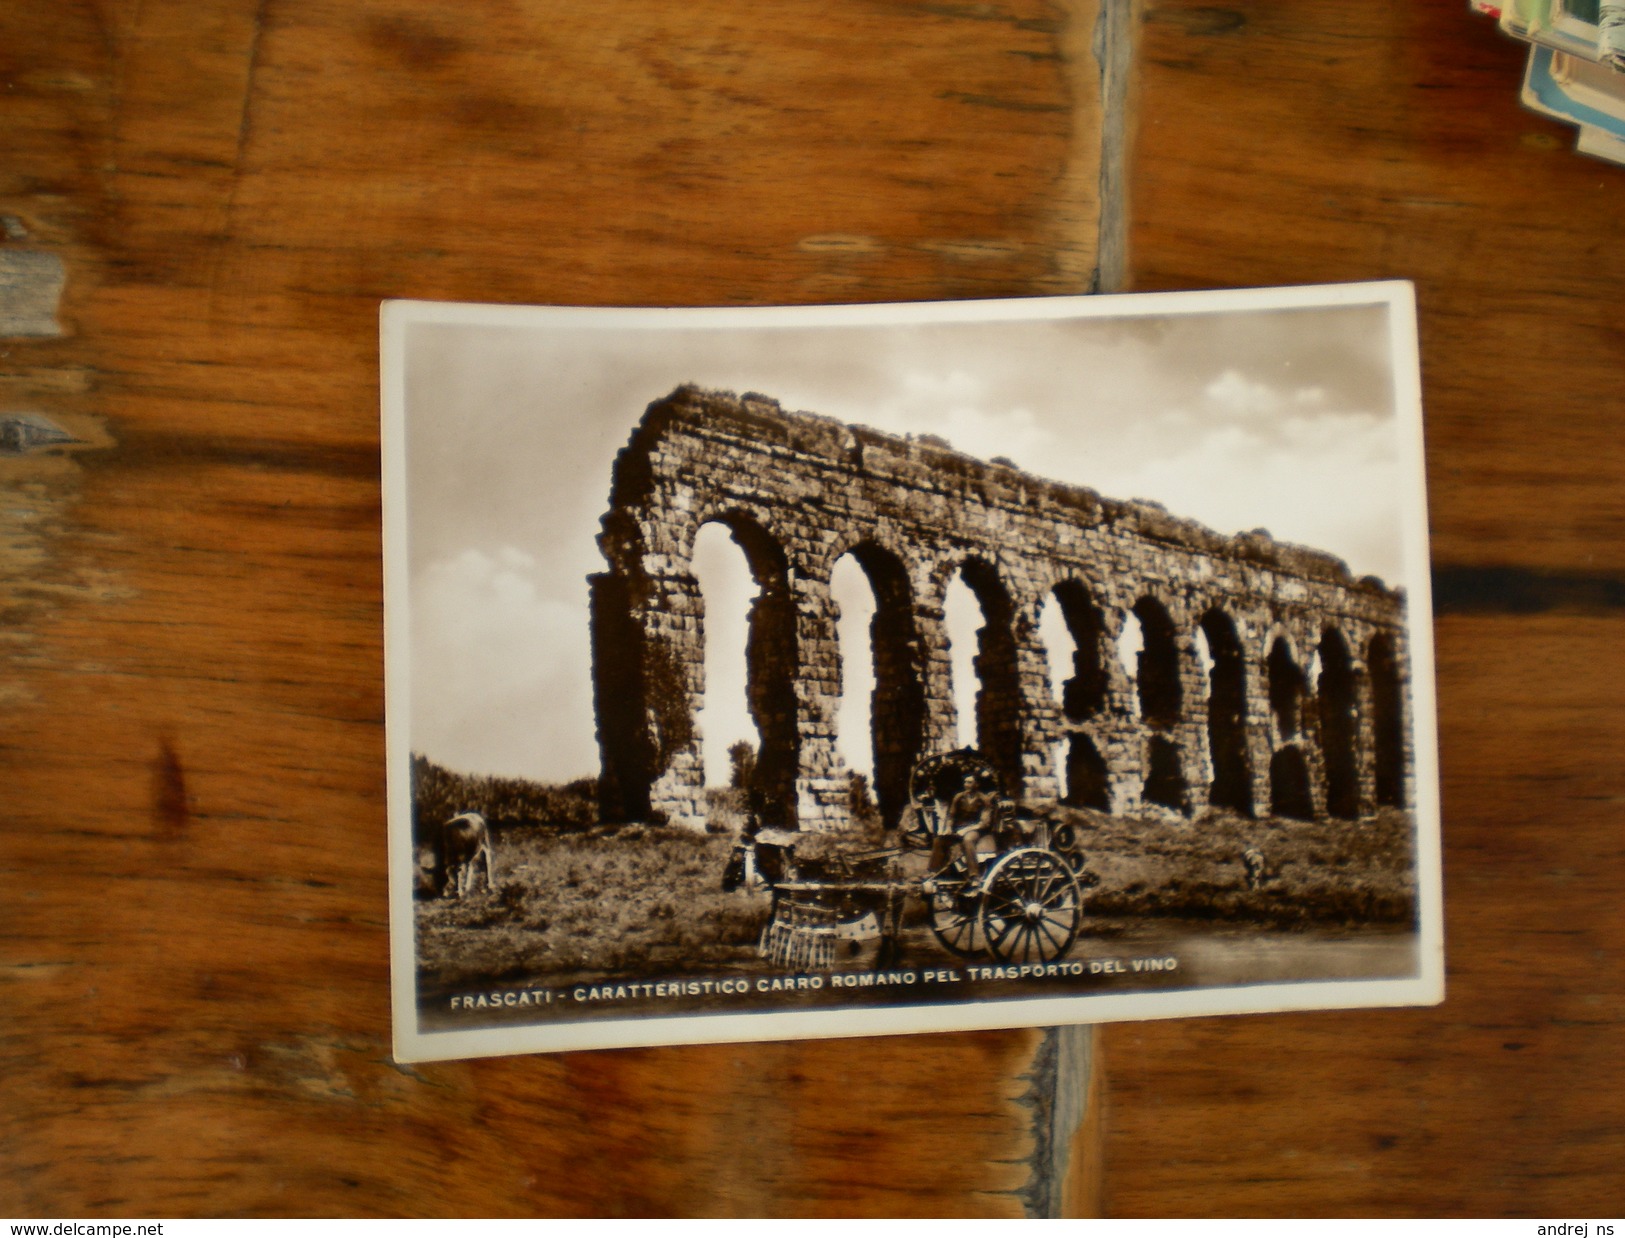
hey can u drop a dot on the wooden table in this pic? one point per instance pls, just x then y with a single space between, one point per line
192 949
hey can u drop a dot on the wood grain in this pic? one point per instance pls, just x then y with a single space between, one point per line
193 953
192 949
1309 142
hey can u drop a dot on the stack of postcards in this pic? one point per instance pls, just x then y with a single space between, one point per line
1576 67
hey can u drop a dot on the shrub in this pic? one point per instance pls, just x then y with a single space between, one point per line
438 794
725 811
741 765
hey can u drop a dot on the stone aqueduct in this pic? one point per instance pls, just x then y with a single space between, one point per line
1242 723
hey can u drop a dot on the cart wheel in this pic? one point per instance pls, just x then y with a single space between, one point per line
1032 908
955 919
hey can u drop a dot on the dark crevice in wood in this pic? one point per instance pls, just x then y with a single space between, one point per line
1509 590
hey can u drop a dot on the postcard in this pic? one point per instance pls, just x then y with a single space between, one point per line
1573 90
769 673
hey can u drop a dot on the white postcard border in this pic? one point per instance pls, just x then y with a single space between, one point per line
1426 988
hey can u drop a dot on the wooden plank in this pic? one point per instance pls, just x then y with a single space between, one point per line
1324 141
1311 143
194 962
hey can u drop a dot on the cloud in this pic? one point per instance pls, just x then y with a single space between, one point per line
1327 480
501 672
1237 395
956 406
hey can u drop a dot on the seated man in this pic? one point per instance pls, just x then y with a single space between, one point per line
970 816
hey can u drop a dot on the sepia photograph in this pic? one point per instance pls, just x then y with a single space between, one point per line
790 672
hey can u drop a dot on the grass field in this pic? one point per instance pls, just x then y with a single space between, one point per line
633 900
636 900
1326 872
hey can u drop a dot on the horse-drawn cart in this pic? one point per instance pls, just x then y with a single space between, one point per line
1026 906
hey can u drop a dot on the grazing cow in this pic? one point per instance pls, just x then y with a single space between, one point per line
1252 860
464 840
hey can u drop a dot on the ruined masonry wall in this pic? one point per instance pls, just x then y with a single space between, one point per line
801 491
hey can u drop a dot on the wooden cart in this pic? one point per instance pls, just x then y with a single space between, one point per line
1027 907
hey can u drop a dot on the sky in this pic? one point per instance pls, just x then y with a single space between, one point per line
1283 419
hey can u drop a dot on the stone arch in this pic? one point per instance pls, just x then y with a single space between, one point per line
772 664
1288 687
1158 674
1084 693
1232 785
1290 792
1165 775
1388 720
1088 782
999 694
897 707
757 531
1339 725
799 487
